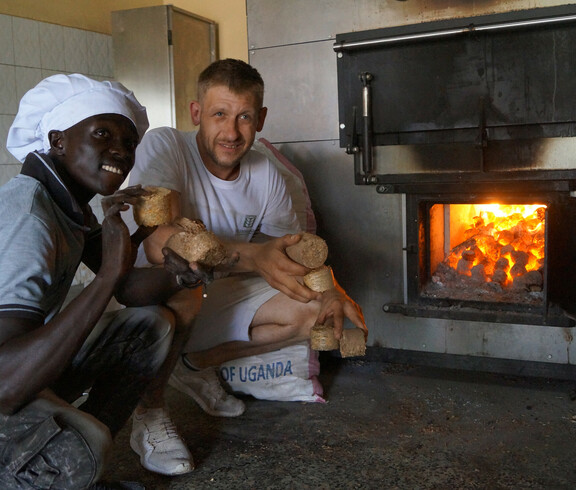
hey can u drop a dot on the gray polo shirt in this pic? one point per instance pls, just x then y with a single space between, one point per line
42 238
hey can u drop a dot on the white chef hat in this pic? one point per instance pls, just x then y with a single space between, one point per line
61 101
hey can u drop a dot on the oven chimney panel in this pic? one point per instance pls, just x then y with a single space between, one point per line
488 86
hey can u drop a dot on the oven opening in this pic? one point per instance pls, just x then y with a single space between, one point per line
503 257
486 253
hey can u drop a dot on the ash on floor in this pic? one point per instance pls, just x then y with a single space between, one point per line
385 426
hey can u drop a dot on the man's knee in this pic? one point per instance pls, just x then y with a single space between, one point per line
155 328
303 319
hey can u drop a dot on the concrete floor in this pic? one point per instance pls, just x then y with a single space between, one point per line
385 426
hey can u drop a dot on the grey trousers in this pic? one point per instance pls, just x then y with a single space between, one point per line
49 443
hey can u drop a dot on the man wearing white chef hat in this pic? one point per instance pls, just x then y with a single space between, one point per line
76 138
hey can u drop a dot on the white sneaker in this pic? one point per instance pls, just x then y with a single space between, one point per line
155 440
205 387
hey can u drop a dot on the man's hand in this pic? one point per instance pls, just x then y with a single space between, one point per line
118 247
270 261
121 198
335 306
189 274
112 206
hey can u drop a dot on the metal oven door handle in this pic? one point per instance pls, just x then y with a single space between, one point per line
367 166
363 166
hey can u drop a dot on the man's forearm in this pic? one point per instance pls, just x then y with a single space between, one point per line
147 286
155 242
247 254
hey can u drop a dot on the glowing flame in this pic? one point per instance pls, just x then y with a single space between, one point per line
502 243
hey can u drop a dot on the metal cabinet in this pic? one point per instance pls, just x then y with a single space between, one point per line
158 54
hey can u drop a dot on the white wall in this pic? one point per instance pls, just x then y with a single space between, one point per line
32 50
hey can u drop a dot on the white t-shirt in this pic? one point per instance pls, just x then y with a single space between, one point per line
257 200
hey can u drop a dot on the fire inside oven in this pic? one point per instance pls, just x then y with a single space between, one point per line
497 258
487 252
501 256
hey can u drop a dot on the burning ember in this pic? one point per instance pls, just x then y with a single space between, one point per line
499 252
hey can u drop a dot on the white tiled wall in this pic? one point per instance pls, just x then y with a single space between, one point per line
32 50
